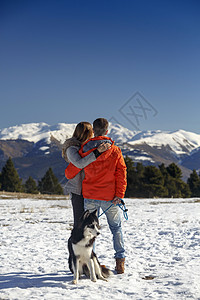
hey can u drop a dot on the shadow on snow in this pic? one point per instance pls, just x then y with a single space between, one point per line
26 280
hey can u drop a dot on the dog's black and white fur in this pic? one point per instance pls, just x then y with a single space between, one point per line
82 259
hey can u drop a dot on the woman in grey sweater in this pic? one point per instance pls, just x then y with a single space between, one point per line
82 133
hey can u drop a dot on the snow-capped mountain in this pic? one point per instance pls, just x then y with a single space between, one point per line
180 141
30 144
35 132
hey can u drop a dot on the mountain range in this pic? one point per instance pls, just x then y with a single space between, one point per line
33 152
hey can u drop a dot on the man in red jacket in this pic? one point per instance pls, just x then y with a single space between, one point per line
105 183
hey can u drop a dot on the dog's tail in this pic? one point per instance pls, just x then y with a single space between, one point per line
105 271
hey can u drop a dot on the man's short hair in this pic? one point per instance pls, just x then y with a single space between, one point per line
100 126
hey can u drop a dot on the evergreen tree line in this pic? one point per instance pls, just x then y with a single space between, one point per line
143 181
11 182
161 181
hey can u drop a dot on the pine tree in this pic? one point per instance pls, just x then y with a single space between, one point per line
194 184
10 180
140 169
49 184
177 188
174 171
184 188
153 183
31 186
171 185
163 170
139 189
131 177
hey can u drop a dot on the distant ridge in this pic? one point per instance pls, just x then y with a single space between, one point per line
30 147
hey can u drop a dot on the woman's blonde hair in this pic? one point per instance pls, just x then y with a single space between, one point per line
83 131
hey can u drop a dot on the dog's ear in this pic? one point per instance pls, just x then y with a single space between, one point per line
95 213
85 214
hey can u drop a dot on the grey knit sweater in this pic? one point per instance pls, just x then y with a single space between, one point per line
74 185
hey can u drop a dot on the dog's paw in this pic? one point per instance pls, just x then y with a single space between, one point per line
94 279
103 278
74 281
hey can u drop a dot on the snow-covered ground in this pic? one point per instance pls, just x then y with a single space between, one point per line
162 239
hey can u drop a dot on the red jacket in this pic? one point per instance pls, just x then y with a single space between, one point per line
105 178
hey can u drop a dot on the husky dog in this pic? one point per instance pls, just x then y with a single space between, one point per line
82 259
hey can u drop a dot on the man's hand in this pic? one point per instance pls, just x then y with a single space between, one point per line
103 147
116 200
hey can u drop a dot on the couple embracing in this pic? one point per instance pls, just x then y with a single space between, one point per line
97 178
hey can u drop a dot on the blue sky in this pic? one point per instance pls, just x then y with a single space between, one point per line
69 61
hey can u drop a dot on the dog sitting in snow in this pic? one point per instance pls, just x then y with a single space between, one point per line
82 259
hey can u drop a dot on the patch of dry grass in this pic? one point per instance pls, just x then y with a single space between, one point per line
9 195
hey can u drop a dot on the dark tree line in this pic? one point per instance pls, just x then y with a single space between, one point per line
143 181
161 181
11 182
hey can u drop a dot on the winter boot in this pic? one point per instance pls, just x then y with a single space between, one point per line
120 265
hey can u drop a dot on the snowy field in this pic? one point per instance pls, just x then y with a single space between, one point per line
162 239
